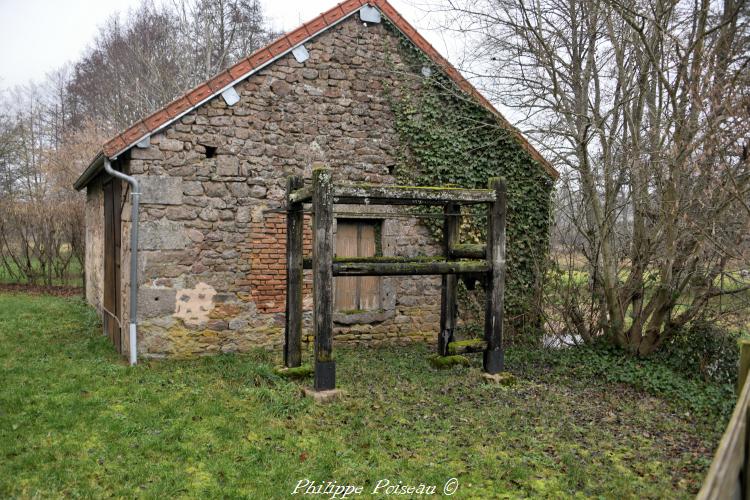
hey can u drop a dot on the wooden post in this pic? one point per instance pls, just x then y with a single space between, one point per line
448 305
741 380
495 288
325 366
744 364
294 228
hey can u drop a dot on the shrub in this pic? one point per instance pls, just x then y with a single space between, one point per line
704 349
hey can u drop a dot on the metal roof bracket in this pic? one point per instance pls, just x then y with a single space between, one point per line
369 14
300 53
231 97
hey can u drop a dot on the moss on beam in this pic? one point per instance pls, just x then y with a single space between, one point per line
409 195
464 346
409 268
386 258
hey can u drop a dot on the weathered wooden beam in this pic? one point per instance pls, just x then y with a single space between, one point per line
468 251
294 228
301 194
493 360
410 195
448 304
419 259
467 346
325 366
360 268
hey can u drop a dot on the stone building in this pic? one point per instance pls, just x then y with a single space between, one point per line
213 166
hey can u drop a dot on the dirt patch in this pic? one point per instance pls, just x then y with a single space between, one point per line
56 290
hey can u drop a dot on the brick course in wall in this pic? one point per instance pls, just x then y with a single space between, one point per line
267 254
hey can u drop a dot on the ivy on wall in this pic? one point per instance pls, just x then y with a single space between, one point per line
449 139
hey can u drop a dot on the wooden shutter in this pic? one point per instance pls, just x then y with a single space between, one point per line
346 286
356 239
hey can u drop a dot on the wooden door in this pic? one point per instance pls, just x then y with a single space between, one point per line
356 293
112 282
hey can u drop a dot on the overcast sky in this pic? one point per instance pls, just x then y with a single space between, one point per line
39 36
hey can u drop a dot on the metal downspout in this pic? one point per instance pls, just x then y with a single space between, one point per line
135 196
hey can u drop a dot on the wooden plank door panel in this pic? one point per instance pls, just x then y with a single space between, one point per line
345 297
369 286
356 239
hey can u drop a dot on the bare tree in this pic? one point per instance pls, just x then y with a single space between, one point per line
133 67
141 62
49 131
645 107
220 32
41 217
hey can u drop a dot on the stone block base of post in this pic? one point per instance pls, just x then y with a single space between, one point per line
322 396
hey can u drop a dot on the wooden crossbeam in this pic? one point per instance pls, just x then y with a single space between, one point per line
410 195
438 267
300 194
468 251
466 346
419 259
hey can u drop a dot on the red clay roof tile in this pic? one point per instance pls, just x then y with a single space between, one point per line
260 56
114 145
135 132
220 81
298 35
279 46
315 25
199 93
333 15
178 106
350 5
155 120
241 68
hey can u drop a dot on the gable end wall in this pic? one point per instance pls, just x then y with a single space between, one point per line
212 245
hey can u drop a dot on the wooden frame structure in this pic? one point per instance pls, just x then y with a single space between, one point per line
485 260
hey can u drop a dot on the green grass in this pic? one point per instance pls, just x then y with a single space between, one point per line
75 421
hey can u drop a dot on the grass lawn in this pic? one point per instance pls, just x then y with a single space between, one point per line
75 421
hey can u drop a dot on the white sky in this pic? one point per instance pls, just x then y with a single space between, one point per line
39 36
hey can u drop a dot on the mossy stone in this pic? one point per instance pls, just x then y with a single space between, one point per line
445 362
505 379
296 372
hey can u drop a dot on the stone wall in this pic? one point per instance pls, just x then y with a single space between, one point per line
212 236
94 219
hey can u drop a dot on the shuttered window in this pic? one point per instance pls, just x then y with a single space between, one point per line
356 238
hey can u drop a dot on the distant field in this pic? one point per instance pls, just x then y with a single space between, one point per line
72 278
733 306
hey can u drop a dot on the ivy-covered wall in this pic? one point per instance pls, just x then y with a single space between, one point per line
450 139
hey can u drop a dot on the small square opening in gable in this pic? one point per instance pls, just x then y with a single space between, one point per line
210 151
